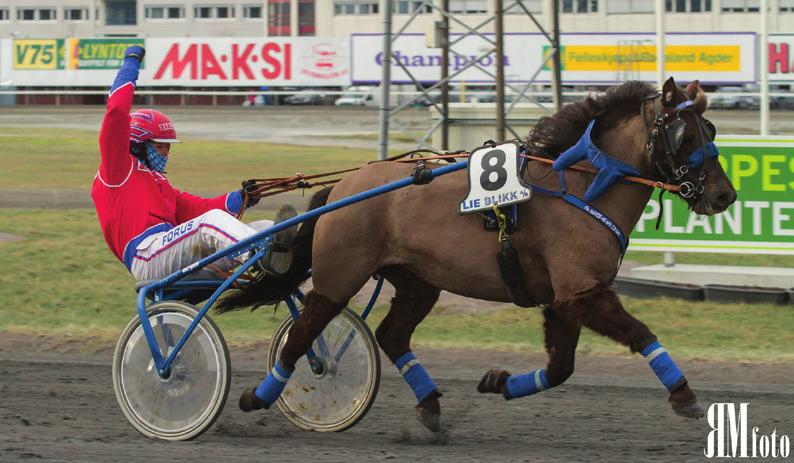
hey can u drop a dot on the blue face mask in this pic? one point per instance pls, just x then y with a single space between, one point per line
156 160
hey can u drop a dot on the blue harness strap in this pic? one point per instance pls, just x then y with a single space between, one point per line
585 206
610 170
416 376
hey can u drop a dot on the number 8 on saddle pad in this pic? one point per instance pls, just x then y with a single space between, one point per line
493 179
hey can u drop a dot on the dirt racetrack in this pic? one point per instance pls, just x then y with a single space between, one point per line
60 406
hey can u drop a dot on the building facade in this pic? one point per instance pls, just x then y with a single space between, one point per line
340 18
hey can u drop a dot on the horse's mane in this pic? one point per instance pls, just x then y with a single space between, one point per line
553 134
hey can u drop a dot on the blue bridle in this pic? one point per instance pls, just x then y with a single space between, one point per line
672 134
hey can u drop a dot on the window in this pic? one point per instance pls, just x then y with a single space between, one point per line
121 12
164 12
786 6
409 6
75 14
740 6
36 14
468 6
534 6
252 12
630 6
4 14
368 7
278 18
214 12
688 6
306 25
579 6
344 7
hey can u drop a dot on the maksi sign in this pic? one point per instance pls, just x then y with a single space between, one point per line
760 222
205 62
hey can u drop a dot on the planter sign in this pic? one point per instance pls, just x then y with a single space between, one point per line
761 221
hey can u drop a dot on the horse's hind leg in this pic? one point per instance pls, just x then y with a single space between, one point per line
317 313
413 300
562 336
600 310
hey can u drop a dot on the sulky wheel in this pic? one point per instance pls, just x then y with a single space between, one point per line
338 392
186 402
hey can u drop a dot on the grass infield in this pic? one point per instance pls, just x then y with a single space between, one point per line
60 279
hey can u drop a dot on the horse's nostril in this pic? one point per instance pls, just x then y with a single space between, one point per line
725 199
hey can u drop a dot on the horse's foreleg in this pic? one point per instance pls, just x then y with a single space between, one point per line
600 310
562 336
413 300
317 313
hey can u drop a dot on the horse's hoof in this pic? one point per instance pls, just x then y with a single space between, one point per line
429 419
493 381
689 409
250 402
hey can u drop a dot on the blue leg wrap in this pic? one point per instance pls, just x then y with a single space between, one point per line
526 384
416 376
271 387
663 365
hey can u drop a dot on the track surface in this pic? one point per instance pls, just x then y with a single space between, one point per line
61 407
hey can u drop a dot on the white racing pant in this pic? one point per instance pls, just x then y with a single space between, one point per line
164 253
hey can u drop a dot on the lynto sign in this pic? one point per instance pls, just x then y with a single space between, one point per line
730 436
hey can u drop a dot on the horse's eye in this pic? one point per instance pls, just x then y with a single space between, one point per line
675 133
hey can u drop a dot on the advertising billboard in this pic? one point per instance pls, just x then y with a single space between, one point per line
761 221
587 58
189 62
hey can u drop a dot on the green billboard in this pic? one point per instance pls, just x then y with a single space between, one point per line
761 221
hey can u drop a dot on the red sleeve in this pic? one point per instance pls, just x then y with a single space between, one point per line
116 163
190 206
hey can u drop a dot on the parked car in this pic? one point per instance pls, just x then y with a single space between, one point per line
358 95
306 98
781 102
728 98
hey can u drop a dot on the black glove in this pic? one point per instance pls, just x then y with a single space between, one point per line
135 51
249 189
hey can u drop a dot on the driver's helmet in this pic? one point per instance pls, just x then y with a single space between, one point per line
151 124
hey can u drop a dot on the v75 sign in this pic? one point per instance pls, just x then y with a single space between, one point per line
246 61
38 54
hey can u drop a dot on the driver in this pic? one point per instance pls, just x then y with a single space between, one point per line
152 227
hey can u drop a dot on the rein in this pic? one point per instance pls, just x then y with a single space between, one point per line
273 186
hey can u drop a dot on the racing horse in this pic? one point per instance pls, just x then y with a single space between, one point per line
415 238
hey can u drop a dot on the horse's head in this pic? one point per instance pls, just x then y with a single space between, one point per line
680 142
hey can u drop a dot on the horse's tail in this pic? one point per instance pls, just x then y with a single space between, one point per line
271 289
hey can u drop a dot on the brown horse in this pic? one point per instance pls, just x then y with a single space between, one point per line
415 238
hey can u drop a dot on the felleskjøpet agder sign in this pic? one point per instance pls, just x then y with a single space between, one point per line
586 58
760 222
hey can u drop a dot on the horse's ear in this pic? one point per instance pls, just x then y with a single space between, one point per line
669 91
697 95
692 89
